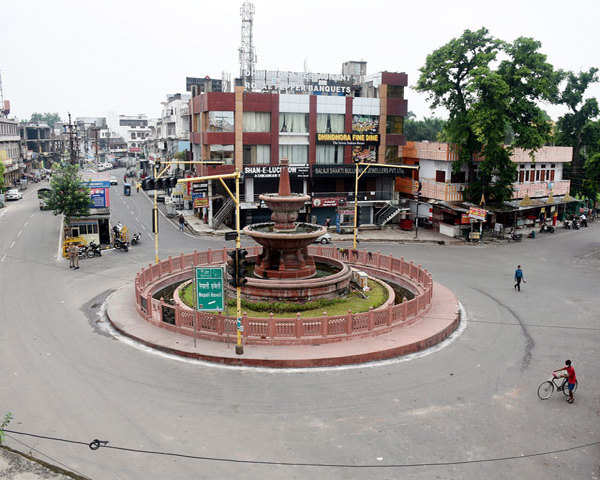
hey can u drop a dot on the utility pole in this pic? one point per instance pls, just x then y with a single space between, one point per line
72 155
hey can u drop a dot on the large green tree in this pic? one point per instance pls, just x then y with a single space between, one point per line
489 88
577 127
591 181
1 175
49 118
430 128
68 195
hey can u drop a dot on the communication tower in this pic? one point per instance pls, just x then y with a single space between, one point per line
247 54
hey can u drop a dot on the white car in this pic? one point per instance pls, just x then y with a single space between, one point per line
113 180
13 194
323 239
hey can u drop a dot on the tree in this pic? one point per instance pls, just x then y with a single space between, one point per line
591 182
49 118
68 195
429 128
1 175
489 102
577 128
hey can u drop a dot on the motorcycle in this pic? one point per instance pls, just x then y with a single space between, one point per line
575 224
121 245
546 228
568 224
516 237
135 238
94 250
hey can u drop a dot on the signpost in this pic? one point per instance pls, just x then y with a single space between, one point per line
209 289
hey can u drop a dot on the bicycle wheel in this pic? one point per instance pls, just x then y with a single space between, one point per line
545 390
565 387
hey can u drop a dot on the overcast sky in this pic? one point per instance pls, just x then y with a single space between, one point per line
93 58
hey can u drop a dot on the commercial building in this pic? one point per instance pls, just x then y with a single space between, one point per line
134 130
321 128
170 133
10 151
539 188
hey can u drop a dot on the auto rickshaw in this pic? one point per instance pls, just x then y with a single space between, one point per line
127 189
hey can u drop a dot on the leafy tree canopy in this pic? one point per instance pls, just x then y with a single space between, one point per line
49 118
491 88
591 182
1 175
430 128
577 127
68 195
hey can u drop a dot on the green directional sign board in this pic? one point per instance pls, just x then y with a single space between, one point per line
209 288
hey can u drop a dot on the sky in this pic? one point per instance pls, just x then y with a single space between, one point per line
95 58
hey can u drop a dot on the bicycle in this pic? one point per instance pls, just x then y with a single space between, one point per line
546 389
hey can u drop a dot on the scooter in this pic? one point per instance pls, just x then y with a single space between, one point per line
135 238
568 224
546 228
516 237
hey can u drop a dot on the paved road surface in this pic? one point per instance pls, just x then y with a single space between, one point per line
474 399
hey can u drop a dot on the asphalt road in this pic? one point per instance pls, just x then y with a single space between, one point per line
473 400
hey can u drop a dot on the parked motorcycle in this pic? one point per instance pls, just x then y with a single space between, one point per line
94 250
120 245
516 237
546 228
82 251
135 238
568 224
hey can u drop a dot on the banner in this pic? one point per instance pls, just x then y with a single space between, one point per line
477 213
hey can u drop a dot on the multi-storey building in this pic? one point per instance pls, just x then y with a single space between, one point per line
10 151
134 130
321 133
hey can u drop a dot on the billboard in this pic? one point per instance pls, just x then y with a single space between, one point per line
352 139
99 194
365 123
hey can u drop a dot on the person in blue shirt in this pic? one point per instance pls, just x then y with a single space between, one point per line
518 277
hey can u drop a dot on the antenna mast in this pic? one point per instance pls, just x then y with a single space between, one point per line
247 54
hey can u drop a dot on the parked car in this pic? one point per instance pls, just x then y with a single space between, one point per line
324 239
14 194
113 180
43 194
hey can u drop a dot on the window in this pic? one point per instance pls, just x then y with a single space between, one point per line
537 175
257 154
551 175
330 154
527 175
293 122
220 121
221 153
391 153
459 177
440 176
521 176
296 154
257 122
395 91
330 123
543 176
395 124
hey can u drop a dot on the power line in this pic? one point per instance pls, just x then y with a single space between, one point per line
96 444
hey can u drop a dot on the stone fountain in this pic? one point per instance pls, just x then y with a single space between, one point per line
284 270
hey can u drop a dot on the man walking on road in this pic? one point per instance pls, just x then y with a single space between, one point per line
518 277
181 222
73 256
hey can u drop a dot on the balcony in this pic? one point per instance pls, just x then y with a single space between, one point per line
541 189
448 192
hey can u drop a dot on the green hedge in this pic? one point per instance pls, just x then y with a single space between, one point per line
285 307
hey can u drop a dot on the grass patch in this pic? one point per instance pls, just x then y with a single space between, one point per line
376 296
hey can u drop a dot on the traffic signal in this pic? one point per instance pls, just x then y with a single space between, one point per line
242 271
172 182
160 184
148 184
232 268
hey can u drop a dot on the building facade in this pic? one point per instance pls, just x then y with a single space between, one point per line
134 130
10 151
321 134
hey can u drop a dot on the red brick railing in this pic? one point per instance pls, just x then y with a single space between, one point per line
293 330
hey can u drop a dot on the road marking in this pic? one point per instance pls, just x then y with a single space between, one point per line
20 233
12 244
31 215
26 223
150 235
3 258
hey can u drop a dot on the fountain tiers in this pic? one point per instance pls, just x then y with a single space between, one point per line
284 253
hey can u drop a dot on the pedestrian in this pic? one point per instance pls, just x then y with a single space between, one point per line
181 222
571 378
327 222
518 277
73 256
70 255
137 187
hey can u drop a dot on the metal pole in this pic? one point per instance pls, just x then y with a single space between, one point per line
355 204
155 219
196 305
239 348
417 216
